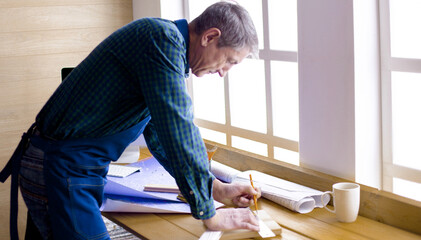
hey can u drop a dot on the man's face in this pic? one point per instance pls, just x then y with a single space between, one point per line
207 58
218 60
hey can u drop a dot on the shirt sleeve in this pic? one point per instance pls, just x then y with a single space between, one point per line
172 135
155 146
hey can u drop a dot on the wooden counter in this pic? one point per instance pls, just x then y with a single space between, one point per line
319 224
383 215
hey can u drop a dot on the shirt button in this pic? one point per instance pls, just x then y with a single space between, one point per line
201 213
191 192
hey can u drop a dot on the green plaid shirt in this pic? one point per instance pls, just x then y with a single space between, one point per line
136 72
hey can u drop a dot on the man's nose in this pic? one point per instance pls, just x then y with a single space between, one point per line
223 71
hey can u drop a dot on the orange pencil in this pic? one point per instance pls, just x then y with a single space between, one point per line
254 196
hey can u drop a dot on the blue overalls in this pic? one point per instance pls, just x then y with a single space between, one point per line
75 174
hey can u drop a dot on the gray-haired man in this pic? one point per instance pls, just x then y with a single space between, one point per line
131 83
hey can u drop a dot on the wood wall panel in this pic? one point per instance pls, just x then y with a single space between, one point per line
43 3
21 68
63 17
52 41
37 39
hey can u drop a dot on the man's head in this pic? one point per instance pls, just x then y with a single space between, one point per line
222 36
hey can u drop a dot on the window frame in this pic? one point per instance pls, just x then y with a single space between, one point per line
388 65
268 138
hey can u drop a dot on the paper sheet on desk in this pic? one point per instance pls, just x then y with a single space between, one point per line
133 185
127 194
142 205
121 171
117 203
288 194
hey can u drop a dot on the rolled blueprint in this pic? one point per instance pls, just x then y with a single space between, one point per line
291 195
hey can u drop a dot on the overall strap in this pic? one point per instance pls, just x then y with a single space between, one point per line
12 168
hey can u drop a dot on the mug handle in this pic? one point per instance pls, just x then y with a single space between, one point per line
325 205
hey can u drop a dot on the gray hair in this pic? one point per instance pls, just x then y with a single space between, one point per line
234 22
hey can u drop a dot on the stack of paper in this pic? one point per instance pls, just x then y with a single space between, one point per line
128 194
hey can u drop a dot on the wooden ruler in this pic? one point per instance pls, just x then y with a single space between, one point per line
268 228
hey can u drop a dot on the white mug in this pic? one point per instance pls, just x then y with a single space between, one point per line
346 201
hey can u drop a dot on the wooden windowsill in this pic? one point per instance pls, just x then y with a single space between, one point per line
378 205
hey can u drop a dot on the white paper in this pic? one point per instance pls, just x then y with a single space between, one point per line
133 185
127 194
291 195
118 203
223 172
211 235
121 171
151 206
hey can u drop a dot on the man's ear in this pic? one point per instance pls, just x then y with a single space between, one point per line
209 36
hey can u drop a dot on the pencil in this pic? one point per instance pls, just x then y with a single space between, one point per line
254 196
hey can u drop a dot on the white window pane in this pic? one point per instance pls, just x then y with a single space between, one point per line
247 95
213 135
283 24
209 100
250 146
405 29
255 10
284 77
197 7
286 155
407 189
406 119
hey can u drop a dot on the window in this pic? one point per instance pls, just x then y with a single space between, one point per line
401 87
255 110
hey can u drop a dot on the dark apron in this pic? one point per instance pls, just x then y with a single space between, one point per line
75 174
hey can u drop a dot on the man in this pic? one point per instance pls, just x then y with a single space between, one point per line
133 82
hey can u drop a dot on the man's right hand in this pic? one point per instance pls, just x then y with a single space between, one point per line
232 218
